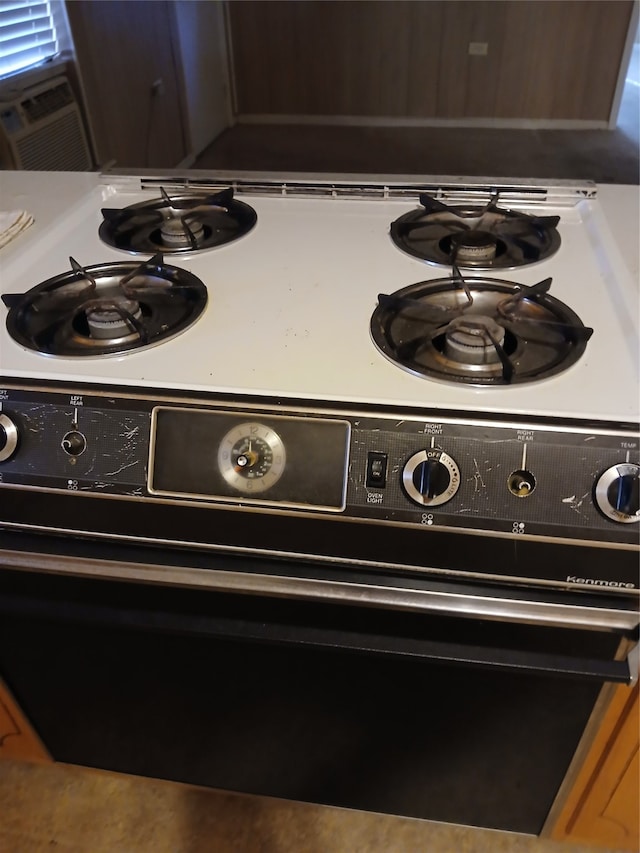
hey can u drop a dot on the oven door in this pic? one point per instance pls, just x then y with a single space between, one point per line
437 700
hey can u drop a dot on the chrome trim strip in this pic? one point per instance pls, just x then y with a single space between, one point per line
339 592
285 184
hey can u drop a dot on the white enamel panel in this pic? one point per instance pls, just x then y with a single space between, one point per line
290 303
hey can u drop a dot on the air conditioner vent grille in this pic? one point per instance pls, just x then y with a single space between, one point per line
68 154
42 130
47 102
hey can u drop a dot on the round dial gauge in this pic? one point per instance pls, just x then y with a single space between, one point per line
251 457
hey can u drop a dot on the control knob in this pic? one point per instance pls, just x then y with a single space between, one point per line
617 493
8 437
74 443
431 477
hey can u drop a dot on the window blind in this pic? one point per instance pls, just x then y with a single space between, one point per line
27 34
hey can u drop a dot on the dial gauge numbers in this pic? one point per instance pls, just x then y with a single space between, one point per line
251 457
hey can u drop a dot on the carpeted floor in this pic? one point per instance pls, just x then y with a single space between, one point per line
57 807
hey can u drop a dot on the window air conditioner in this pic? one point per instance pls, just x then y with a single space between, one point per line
42 129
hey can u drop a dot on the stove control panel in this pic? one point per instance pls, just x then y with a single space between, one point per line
501 477
421 470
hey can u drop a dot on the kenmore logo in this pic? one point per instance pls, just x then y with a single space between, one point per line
598 582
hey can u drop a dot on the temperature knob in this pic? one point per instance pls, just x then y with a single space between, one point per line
8 437
431 477
617 493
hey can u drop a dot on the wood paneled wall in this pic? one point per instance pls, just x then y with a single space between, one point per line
547 59
122 47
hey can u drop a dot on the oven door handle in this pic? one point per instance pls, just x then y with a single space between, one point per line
394 596
327 637
495 659
448 603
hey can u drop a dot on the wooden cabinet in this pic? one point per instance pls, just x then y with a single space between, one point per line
603 805
18 740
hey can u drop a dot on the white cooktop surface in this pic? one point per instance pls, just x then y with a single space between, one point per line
290 303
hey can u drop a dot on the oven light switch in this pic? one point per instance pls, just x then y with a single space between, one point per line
376 470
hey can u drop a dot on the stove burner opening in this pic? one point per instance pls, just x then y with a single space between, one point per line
471 340
473 247
177 223
479 331
473 236
107 309
105 323
175 231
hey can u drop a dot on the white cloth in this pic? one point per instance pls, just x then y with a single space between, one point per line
12 223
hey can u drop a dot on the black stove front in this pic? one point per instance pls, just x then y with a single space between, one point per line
399 611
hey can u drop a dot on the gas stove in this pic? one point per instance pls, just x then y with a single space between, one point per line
418 376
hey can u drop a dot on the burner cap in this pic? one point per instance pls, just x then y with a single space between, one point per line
178 233
108 324
473 248
468 339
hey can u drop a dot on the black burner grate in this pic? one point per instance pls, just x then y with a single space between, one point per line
106 309
479 331
179 223
481 238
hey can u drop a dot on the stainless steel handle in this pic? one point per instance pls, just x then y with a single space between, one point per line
435 601
390 597
326 634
